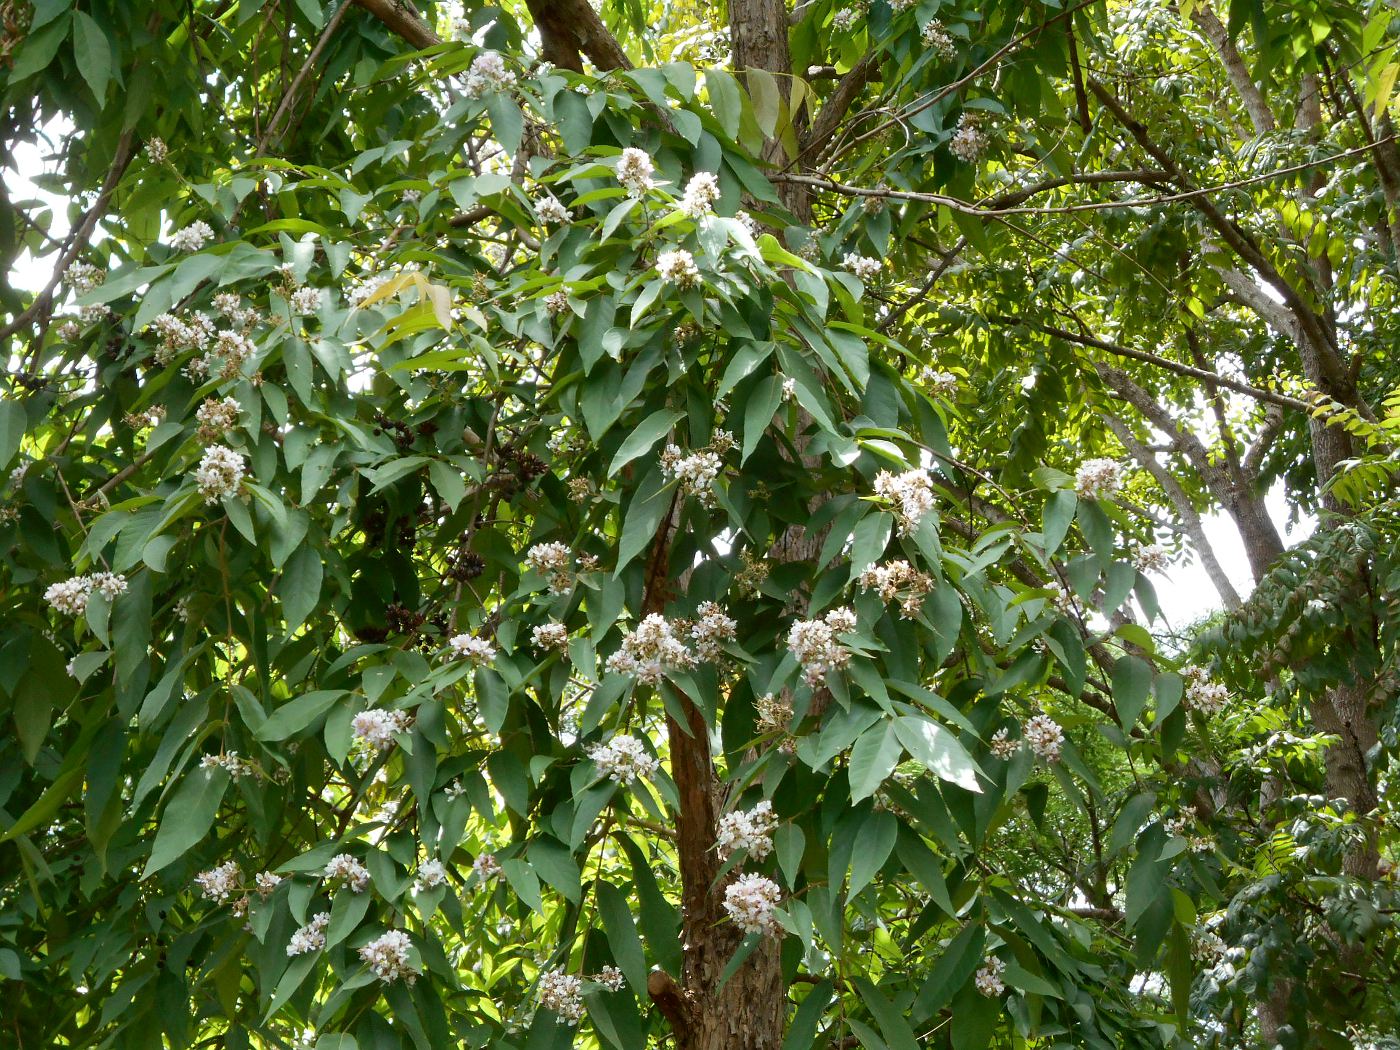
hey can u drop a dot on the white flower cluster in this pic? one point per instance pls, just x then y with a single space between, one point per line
1044 736
623 758
697 471
1098 479
305 300
649 651
551 211
939 382
216 418
563 993
1150 557
556 302
988 978
367 287
937 40
846 18
180 334
488 73
750 830
469 647
1207 946
219 884
311 937
157 150
968 142
711 630
83 277
231 306
387 957
898 579
70 597
815 644
266 883
678 267
219 473
431 874
911 492
70 331
634 171
193 237
554 561
750 900
1002 746
1203 695
701 192
230 762
864 267
344 866
611 978
376 727
550 636
486 866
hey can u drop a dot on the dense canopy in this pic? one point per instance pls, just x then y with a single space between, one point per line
532 525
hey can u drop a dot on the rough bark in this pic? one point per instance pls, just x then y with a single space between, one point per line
758 33
403 18
571 30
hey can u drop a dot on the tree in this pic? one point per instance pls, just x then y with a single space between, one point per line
541 526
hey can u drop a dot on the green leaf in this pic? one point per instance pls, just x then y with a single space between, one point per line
94 54
643 518
938 750
648 432
763 402
13 421
38 50
626 945
298 714
1132 681
876 753
1056 519
874 843
188 816
300 589
1130 818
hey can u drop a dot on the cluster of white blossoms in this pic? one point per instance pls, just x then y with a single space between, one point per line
231 762
750 830
486 866
563 993
623 759
178 335
550 635
305 300
611 978
696 472
1150 557
216 418
864 267
193 237
1002 746
1098 479
968 142
70 597
376 727
387 957
1203 695
556 302
678 267
634 171
988 977
898 579
701 192
750 900
367 287
814 643
221 883
311 937
83 277
431 874
650 651
846 18
550 210
488 73
230 304
911 492
711 629
219 473
937 40
1043 736
555 562
939 382
344 866
266 883
469 647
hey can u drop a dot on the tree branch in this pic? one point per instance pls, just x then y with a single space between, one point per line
403 18
1259 113
570 30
